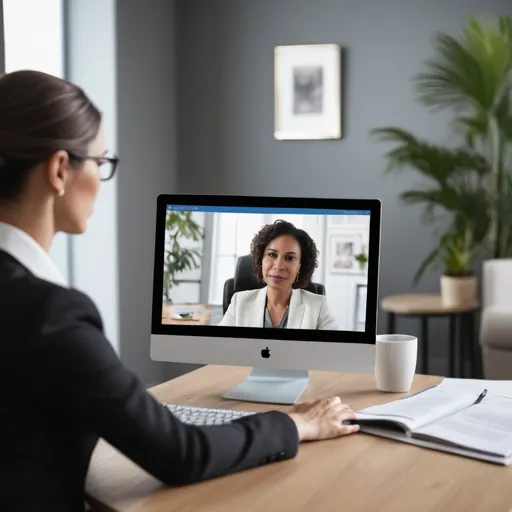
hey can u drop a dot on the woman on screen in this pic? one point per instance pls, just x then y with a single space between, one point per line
62 386
284 259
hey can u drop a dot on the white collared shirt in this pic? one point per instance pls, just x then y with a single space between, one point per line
21 246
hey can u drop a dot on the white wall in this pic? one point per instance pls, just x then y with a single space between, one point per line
91 63
341 284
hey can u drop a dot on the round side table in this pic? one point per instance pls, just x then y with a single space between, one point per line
426 306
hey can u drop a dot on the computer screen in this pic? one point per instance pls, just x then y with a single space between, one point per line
285 285
271 267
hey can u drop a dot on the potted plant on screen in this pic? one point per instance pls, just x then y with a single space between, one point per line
471 76
179 256
362 259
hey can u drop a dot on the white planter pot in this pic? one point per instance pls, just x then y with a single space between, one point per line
458 291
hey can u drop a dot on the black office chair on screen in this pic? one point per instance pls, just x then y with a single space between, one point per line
245 279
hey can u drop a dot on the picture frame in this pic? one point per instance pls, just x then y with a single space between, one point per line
343 247
308 92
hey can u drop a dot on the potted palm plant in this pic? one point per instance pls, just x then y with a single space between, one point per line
455 258
458 282
180 227
471 182
455 200
472 76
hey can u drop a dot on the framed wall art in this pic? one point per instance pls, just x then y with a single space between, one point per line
307 92
343 249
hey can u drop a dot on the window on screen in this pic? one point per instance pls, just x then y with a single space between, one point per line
301 269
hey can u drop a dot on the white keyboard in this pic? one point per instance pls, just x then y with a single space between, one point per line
205 416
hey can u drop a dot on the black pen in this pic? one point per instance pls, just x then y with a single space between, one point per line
481 396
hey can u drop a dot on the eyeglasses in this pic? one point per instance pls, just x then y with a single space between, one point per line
106 164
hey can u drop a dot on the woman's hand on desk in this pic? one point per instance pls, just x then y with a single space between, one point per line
323 419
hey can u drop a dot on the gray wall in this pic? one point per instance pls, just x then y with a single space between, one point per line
147 146
225 115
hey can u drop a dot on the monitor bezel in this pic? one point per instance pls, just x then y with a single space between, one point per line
323 336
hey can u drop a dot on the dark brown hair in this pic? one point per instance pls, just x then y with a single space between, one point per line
39 115
309 252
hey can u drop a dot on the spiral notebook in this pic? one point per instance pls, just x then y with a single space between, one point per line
448 418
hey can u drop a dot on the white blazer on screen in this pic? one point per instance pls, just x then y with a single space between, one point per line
306 311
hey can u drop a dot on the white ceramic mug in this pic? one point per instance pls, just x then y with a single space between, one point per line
395 362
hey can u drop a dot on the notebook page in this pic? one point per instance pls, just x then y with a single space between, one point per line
494 387
486 427
420 409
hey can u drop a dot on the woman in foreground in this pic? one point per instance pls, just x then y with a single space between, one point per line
61 384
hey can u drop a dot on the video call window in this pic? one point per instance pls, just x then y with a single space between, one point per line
268 268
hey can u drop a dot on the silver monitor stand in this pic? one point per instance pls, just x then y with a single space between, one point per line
270 386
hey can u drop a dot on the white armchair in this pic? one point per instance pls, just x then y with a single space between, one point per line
496 324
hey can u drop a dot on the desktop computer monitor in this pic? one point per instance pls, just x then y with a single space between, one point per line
283 285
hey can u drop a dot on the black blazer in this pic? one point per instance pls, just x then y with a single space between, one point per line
62 387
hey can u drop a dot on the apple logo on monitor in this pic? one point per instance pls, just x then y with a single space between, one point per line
265 353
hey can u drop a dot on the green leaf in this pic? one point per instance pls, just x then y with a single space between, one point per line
469 185
427 262
431 161
468 72
179 257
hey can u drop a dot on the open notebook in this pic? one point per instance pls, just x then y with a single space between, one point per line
447 418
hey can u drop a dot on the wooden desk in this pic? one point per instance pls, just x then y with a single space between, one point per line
356 473
202 316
